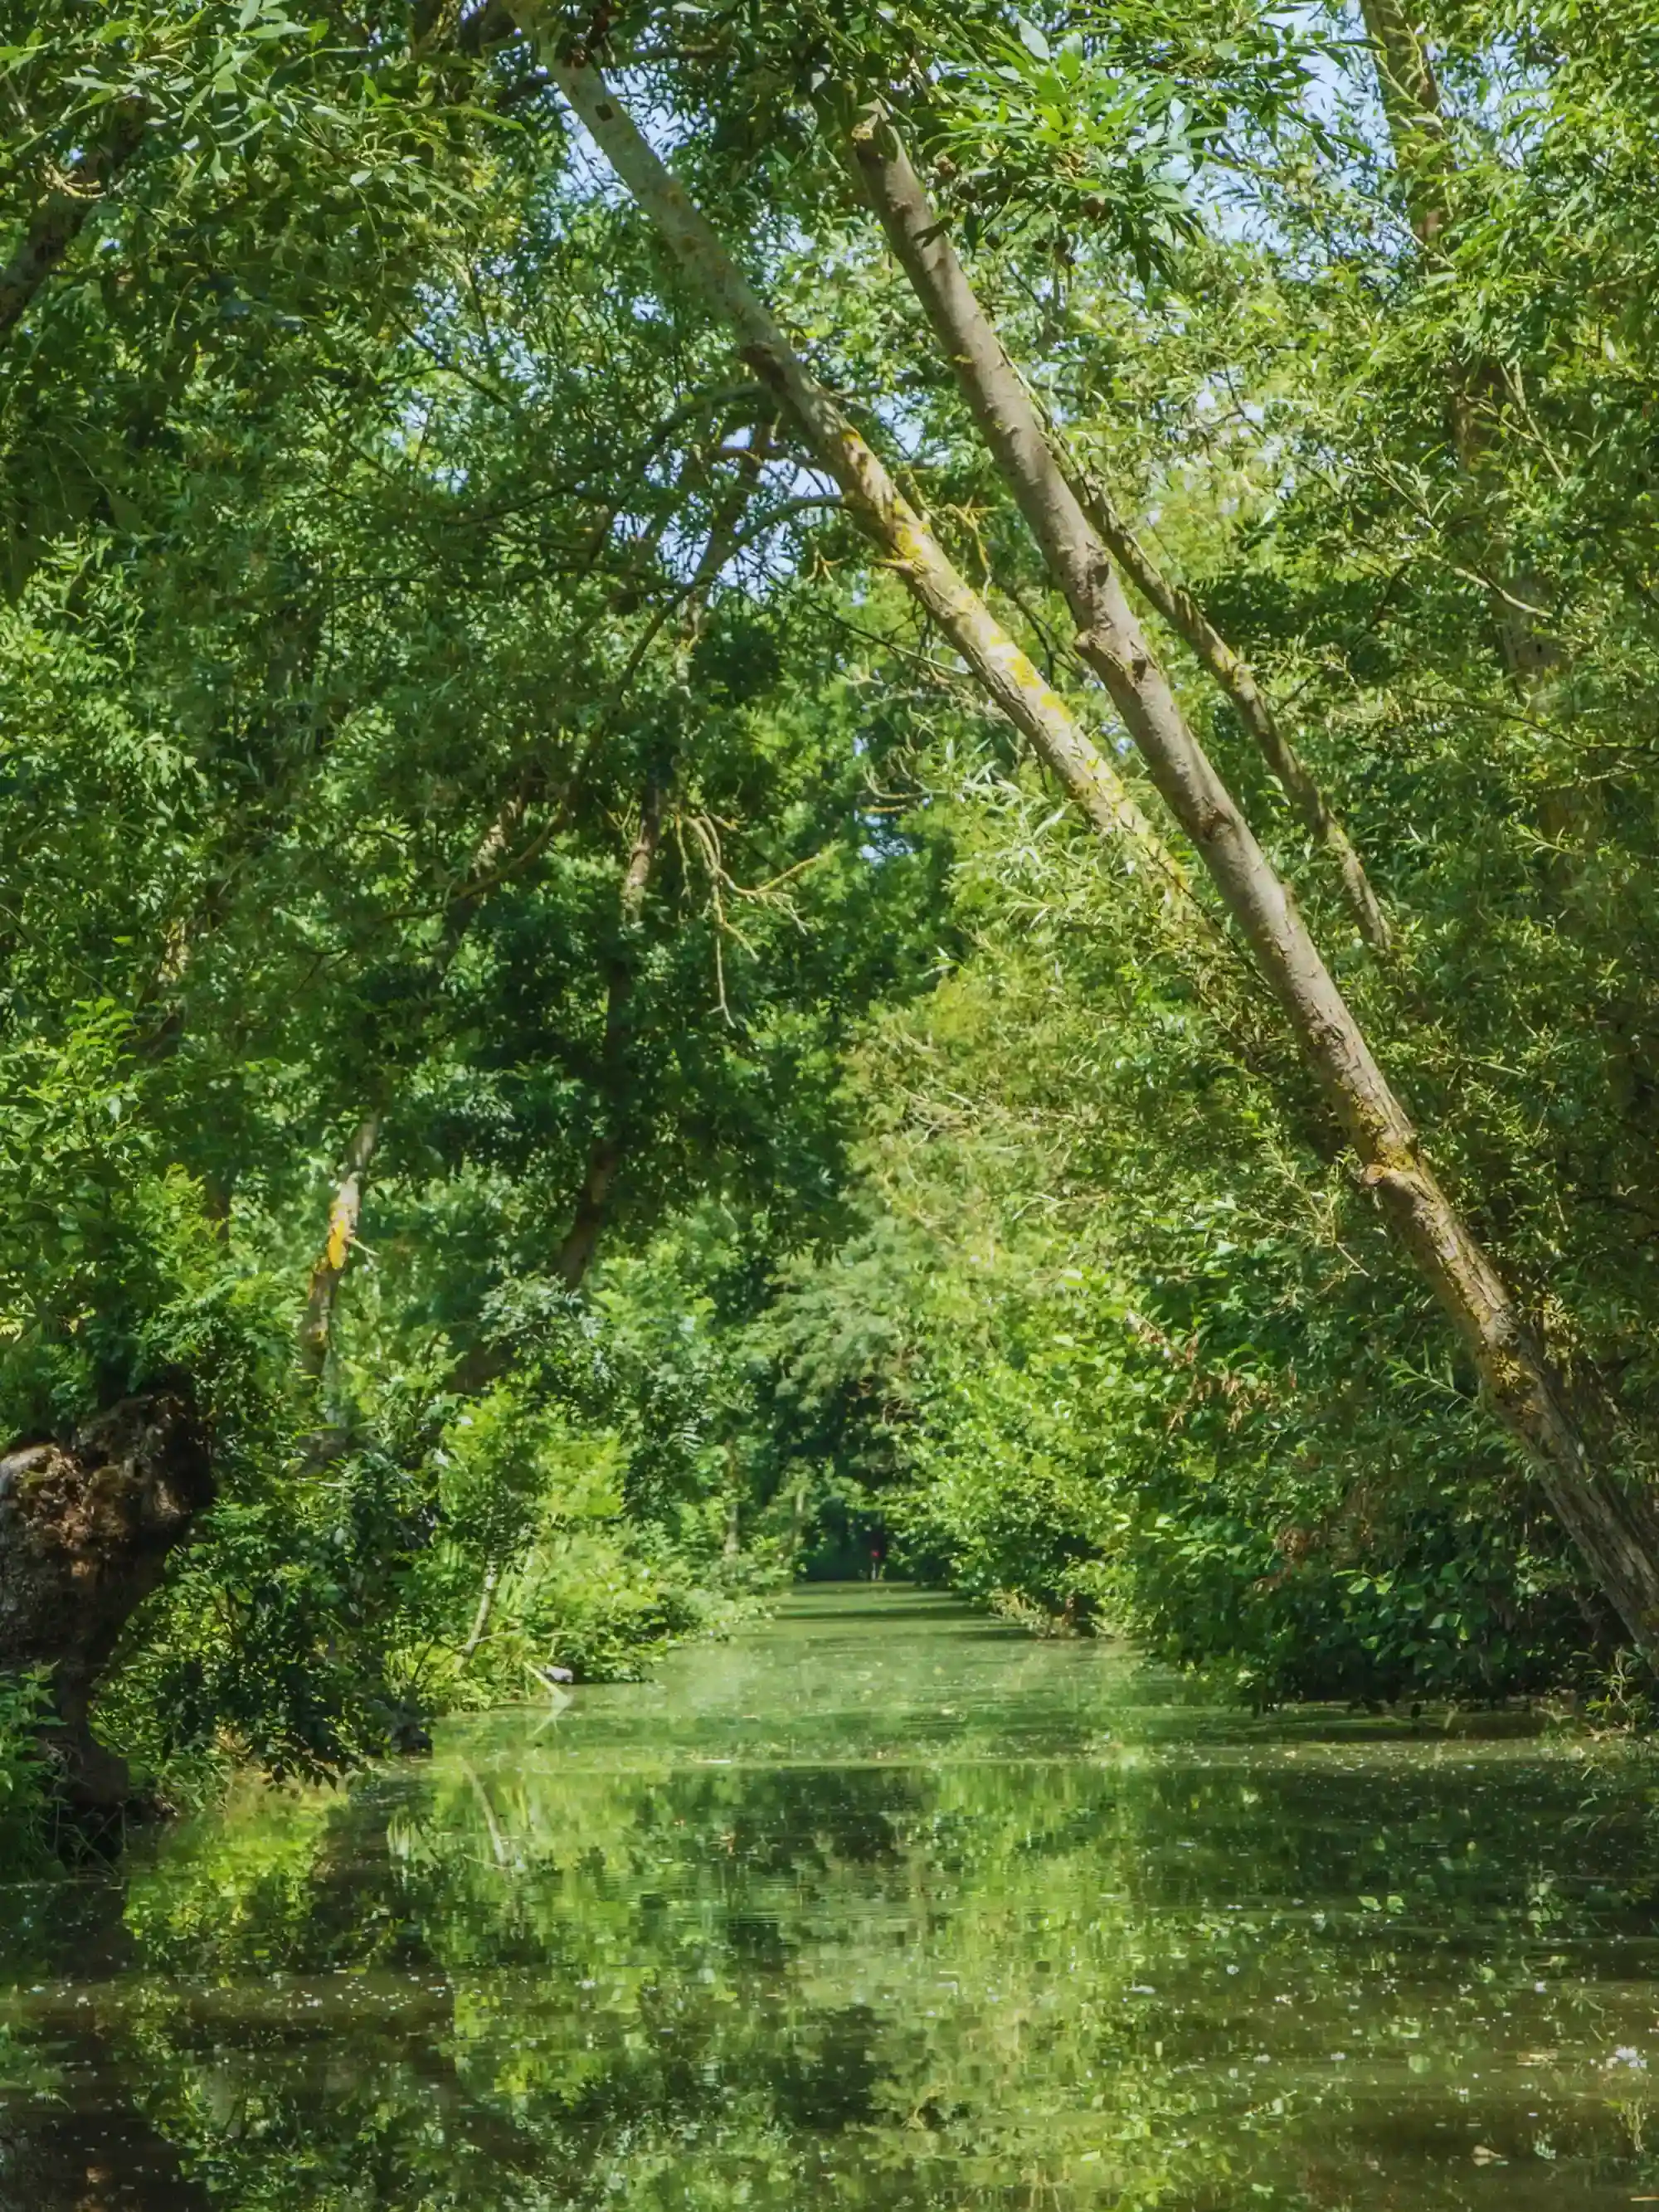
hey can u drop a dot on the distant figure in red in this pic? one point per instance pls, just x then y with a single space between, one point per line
878 1554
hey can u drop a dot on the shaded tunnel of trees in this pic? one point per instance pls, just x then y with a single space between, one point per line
818 790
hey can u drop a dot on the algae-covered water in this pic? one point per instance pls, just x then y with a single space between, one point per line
882 1905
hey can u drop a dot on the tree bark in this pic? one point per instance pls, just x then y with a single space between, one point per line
1614 1524
61 211
1425 164
476 1634
896 193
1410 106
332 1260
86 1527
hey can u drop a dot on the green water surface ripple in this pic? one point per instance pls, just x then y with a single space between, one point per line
882 1905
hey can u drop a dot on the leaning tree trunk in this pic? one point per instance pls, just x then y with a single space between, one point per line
1614 1525
60 214
86 1527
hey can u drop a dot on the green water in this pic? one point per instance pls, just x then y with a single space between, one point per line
881 1906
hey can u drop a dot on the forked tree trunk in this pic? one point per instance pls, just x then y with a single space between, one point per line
1614 1524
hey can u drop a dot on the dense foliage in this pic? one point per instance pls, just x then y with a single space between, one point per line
463 766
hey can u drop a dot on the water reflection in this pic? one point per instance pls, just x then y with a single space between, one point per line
880 1906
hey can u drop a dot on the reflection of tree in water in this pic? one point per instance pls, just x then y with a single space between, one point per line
71 2134
645 1994
521 1981
98 2161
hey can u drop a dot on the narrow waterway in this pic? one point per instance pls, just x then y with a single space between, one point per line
880 1905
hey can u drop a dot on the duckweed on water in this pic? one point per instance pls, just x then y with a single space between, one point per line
881 1904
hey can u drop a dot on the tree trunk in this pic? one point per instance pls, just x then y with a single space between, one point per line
476 1634
580 1241
61 212
346 1215
1615 1526
85 1530
1411 105
335 1256
582 1238
1236 679
732 1547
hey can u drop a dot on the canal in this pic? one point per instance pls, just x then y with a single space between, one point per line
881 1904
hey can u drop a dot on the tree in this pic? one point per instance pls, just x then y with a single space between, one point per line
1610 1518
